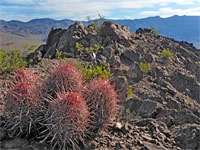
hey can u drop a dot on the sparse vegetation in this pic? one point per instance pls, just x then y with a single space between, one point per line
89 50
58 54
166 54
189 102
128 115
97 24
11 61
94 71
154 31
129 92
145 67
198 63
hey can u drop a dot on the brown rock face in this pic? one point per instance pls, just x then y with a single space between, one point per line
115 31
166 99
64 40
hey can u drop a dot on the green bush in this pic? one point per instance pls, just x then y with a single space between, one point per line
145 67
198 63
94 71
58 54
89 50
166 54
97 24
129 92
11 61
154 31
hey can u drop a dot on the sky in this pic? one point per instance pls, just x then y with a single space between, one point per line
25 10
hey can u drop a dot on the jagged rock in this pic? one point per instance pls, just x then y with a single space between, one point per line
151 146
134 74
188 136
183 82
140 31
186 116
35 57
148 109
133 104
118 125
64 40
108 52
2 134
15 143
121 86
115 31
115 62
130 55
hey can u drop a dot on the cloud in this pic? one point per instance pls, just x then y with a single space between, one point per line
80 9
167 11
83 8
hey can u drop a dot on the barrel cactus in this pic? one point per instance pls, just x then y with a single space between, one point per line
67 120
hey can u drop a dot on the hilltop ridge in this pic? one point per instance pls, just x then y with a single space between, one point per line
182 28
165 104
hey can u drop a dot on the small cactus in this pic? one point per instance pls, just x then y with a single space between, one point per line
24 75
22 103
67 120
102 99
64 77
22 108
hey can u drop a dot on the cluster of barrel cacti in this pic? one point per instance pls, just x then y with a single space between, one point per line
63 109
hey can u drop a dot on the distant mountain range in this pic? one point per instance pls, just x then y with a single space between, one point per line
181 28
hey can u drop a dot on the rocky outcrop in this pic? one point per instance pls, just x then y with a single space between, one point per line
166 100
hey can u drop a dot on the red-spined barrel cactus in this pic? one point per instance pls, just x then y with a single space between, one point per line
103 100
64 77
22 103
67 120
23 76
22 109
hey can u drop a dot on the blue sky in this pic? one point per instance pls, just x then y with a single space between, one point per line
26 10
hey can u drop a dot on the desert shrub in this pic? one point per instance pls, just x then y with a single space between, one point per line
94 71
67 120
79 47
197 63
166 54
97 23
145 67
129 92
102 99
11 61
89 50
22 105
58 54
64 77
94 49
127 115
154 31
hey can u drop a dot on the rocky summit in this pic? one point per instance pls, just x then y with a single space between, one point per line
163 111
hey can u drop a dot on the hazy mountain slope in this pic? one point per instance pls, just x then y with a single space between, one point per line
182 28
